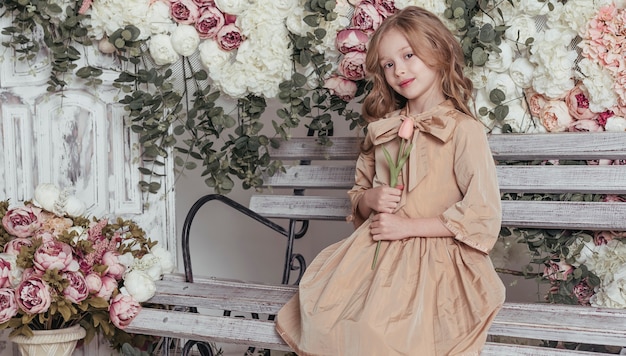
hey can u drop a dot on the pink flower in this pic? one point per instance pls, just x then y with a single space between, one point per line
366 17
586 126
204 3
94 282
228 19
123 310
536 102
211 20
583 292
109 285
185 12
8 304
23 221
351 39
55 255
578 104
406 129
115 268
77 290
14 246
603 116
555 116
9 272
229 37
557 270
613 198
603 237
33 295
386 8
341 87
352 65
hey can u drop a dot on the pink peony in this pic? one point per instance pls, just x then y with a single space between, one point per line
211 20
351 39
94 282
112 260
603 237
14 246
536 102
123 310
184 12
55 255
386 8
23 221
341 87
352 65
583 292
8 304
33 295
109 285
578 104
555 116
557 270
77 290
585 126
9 272
229 37
204 3
366 17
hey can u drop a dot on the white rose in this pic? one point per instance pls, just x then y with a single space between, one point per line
233 7
615 123
295 22
518 118
478 75
522 28
521 72
139 285
503 82
46 196
500 62
586 251
159 18
149 264
185 40
534 7
126 259
161 50
212 56
280 8
165 258
74 207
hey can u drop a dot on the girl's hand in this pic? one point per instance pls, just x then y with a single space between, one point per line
382 199
389 227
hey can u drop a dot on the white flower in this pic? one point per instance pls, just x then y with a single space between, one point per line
599 83
534 7
212 56
503 82
126 259
518 117
587 249
159 18
46 196
478 75
161 50
149 264
521 28
554 62
165 258
521 72
616 123
107 18
281 8
500 62
574 15
15 276
73 206
139 285
185 40
233 7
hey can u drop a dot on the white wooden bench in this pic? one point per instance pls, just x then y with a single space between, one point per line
539 321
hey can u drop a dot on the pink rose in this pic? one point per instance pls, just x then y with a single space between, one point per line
204 3
211 20
23 221
385 7
352 65
33 295
228 19
585 126
349 40
578 104
14 246
123 310
185 12
77 290
229 37
112 261
8 304
341 87
557 270
583 292
109 285
603 237
55 255
536 102
555 117
366 17
603 116
406 129
94 282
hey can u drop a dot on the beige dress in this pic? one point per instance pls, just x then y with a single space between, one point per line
427 296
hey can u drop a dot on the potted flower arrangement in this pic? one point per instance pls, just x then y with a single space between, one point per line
60 269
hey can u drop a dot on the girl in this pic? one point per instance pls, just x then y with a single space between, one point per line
433 290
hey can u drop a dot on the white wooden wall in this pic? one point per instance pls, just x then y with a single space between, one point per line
76 139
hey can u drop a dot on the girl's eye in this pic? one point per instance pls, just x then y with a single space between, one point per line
409 55
387 65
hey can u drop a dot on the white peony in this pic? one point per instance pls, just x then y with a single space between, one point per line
534 7
503 82
212 56
47 196
616 123
149 264
574 15
139 285
478 75
599 83
522 27
185 40
233 7
15 274
159 19
521 72
73 206
165 258
161 50
500 62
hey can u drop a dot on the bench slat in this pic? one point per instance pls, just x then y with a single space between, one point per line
517 179
515 213
495 349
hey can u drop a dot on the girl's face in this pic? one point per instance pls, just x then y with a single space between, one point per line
407 74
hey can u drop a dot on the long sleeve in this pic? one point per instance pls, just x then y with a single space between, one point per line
363 180
476 219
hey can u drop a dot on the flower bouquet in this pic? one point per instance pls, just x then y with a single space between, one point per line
59 268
